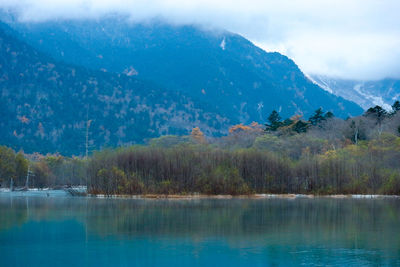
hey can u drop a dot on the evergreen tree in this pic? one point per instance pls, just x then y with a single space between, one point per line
396 106
300 127
329 115
274 121
317 117
287 122
378 113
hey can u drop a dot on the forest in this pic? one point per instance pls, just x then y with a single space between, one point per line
321 155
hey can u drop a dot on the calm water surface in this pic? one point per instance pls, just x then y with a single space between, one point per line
65 231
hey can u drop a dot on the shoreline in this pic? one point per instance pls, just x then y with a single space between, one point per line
45 191
252 196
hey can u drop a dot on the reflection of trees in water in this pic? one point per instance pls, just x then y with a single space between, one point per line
352 223
356 222
15 211
12 213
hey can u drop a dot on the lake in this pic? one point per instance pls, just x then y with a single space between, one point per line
67 231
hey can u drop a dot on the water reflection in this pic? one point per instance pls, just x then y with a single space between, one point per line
270 231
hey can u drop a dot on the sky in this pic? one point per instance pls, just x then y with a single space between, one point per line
351 39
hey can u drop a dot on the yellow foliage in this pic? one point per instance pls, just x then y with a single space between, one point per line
239 128
330 154
253 127
23 119
198 136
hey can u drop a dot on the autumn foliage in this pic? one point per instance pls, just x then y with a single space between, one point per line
198 136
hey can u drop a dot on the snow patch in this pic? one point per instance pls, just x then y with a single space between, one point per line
324 85
260 106
130 71
376 100
223 44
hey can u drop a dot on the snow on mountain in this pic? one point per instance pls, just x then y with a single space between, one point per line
223 43
365 93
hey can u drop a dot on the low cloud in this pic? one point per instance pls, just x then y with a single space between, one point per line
355 39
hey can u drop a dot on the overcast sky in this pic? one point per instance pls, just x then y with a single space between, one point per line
358 39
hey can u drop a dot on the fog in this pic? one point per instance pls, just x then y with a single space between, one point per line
354 39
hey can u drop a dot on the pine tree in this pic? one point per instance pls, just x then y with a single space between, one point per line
274 121
300 127
396 106
317 117
329 115
378 113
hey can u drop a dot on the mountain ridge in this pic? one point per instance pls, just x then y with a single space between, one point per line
188 59
49 99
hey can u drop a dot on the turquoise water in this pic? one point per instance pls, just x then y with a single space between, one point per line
66 231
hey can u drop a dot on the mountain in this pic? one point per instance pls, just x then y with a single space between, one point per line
220 68
138 81
365 93
46 104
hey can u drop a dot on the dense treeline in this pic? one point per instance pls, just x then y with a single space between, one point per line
45 171
321 155
371 167
56 170
12 166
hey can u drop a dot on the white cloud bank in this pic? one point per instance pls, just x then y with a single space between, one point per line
356 39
